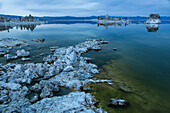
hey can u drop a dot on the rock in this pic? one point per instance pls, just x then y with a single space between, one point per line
68 68
34 98
10 57
54 47
25 59
36 88
46 87
96 47
153 19
10 86
38 40
24 73
109 82
75 102
117 102
22 53
15 100
86 89
114 49
4 51
49 59
102 41
42 54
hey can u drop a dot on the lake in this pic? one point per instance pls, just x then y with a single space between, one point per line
143 53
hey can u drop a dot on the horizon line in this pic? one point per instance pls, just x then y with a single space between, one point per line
80 16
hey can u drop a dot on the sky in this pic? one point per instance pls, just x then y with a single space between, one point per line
85 7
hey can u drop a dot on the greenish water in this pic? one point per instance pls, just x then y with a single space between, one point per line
142 59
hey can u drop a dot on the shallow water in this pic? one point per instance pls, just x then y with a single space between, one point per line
141 56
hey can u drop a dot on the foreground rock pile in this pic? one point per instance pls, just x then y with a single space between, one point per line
65 67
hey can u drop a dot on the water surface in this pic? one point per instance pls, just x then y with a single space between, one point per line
143 56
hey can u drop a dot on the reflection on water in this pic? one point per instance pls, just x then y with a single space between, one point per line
3 28
20 27
152 27
111 24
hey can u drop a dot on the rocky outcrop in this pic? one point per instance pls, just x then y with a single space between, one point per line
153 19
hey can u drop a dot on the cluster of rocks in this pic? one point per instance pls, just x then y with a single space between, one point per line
19 54
118 102
63 67
10 42
4 51
7 44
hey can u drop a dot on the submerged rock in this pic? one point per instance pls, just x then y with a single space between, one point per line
114 49
10 57
102 41
118 102
25 59
38 40
34 98
4 51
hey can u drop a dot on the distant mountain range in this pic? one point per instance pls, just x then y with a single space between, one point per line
81 19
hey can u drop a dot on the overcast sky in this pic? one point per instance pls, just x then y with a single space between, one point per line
85 7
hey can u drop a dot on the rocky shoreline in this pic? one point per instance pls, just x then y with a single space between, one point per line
64 67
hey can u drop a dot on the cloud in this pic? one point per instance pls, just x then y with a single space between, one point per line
85 7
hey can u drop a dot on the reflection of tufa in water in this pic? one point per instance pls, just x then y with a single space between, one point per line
111 24
21 27
152 27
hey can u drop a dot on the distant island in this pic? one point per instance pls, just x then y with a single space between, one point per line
27 20
153 19
108 19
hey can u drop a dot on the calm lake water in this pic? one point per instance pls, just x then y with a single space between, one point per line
144 55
